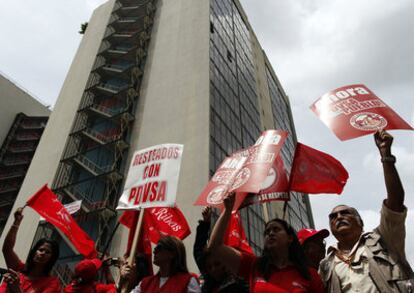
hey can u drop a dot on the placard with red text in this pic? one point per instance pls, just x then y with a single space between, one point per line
354 110
152 178
244 171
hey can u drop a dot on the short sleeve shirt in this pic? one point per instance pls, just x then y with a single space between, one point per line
283 280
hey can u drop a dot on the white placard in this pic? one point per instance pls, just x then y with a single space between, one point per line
152 177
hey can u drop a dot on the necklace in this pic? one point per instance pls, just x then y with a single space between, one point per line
344 256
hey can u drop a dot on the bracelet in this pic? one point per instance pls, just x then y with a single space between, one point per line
388 159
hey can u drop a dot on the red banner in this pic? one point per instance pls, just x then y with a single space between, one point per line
166 221
158 222
316 172
244 171
235 236
352 111
46 204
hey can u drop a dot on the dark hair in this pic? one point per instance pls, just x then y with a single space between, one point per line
29 266
354 211
176 246
296 254
143 267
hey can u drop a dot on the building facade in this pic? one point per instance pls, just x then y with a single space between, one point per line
150 72
22 121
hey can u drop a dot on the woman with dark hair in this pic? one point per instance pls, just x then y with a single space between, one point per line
173 275
34 275
282 267
216 276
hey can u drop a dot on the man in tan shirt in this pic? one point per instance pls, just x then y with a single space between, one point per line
372 261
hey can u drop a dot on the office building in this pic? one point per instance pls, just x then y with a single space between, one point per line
151 72
22 121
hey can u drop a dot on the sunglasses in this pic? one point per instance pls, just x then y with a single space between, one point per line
334 215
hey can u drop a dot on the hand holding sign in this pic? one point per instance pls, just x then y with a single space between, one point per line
353 111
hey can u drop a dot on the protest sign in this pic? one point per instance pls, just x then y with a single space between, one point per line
244 171
354 110
152 178
274 187
235 235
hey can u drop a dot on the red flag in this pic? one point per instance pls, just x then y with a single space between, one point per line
129 219
316 172
235 236
46 204
166 221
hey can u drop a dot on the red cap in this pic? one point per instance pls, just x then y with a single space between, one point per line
88 268
305 234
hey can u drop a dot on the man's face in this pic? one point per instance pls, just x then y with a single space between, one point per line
315 249
343 221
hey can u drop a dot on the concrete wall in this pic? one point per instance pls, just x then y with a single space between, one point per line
49 151
174 101
14 100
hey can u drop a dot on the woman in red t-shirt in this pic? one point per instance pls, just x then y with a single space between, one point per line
282 267
34 275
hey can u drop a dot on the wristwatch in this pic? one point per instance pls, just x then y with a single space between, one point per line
389 159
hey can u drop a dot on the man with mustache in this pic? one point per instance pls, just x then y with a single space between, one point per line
371 261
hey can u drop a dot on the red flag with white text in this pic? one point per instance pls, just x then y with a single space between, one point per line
235 236
316 172
165 221
354 110
46 204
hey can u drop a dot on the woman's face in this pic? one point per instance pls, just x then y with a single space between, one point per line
43 254
162 255
276 237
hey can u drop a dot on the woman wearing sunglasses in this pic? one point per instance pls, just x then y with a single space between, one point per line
173 275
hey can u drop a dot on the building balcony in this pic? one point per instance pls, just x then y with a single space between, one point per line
91 167
12 174
21 149
27 136
112 70
102 138
13 161
8 188
33 125
110 89
107 112
123 52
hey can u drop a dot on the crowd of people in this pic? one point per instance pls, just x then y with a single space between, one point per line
362 261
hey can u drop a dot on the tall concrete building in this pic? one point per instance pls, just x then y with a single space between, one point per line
22 121
150 72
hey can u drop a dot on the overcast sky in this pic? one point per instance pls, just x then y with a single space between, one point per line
314 46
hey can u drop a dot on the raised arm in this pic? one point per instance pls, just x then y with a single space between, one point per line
201 237
395 190
12 260
226 254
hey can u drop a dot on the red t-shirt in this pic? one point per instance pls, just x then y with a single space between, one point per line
284 280
91 288
47 284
